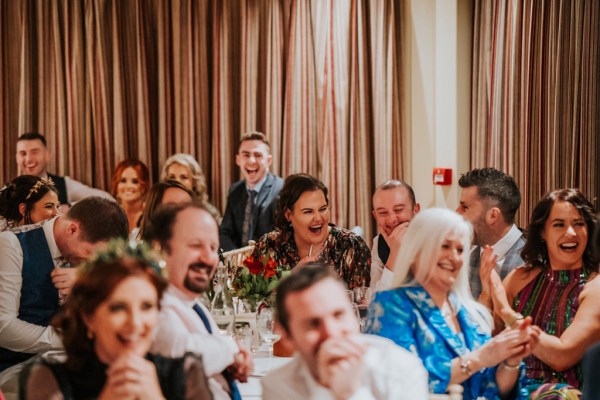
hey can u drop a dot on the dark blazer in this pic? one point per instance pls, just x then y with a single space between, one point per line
230 231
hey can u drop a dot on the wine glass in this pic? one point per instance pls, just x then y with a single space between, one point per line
265 323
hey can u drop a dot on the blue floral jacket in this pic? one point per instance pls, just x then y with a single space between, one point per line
409 317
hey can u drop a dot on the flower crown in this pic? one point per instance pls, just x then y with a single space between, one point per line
38 185
117 249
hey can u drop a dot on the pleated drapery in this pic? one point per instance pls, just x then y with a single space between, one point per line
106 80
535 95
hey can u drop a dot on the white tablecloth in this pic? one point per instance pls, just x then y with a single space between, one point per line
262 365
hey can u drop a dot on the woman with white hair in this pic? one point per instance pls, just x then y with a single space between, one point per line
184 169
431 312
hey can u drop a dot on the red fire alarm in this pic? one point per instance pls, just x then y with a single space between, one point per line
442 176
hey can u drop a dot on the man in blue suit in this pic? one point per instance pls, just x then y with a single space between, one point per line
251 201
489 201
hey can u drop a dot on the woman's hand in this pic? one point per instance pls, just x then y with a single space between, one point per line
533 333
487 267
508 344
131 377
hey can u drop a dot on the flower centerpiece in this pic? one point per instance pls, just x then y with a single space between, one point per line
255 280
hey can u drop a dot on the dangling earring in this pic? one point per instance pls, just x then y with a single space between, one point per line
90 334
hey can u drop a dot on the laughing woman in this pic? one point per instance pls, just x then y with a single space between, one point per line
106 327
558 287
130 183
27 199
303 233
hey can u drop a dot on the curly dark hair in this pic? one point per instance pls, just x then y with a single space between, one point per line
535 252
293 187
91 290
495 186
25 189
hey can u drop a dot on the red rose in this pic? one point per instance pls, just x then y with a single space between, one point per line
255 267
270 268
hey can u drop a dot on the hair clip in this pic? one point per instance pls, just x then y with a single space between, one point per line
38 185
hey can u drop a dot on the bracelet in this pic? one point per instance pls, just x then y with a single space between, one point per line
514 318
510 367
465 366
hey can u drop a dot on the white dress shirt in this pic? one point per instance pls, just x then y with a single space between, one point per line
391 373
180 330
15 334
502 246
381 277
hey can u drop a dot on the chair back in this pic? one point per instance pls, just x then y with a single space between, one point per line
234 258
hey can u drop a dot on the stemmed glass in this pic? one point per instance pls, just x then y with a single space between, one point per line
265 323
362 298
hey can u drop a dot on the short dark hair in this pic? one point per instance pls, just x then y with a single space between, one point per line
495 186
293 187
535 251
301 279
254 136
24 189
100 219
393 184
33 136
160 225
154 200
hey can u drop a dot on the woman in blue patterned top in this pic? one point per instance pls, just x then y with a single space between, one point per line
431 312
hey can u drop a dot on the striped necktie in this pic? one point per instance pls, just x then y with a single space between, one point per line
248 213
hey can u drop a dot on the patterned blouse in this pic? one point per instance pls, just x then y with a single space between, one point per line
552 300
345 251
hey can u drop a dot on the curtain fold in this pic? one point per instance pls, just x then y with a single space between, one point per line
535 95
106 80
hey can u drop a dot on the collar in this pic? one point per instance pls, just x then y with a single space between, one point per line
502 246
48 227
184 298
259 185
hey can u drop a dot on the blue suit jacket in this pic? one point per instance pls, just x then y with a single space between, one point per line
230 231
409 317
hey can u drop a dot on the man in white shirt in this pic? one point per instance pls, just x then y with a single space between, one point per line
489 200
394 206
188 236
333 360
33 157
31 282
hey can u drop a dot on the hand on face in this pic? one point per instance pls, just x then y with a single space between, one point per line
63 279
131 377
340 365
394 238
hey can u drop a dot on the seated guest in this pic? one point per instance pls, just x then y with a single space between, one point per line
31 282
184 169
130 183
333 359
106 328
33 157
557 288
189 238
161 193
251 201
431 313
489 200
26 200
303 233
394 206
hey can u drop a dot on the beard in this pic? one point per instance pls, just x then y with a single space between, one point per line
198 285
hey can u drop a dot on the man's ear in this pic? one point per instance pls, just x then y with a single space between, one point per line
493 215
417 208
73 228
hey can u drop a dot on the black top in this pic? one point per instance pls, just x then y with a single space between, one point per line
61 187
86 384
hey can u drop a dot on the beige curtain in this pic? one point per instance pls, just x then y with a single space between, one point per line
536 89
106 80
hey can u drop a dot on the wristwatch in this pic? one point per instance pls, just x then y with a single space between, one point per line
514 318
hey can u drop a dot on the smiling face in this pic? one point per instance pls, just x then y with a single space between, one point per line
181 174
310 218
448 266
254 160
45 208
129 189
32 157
192 256
320 312
566 236
392 207
125 321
